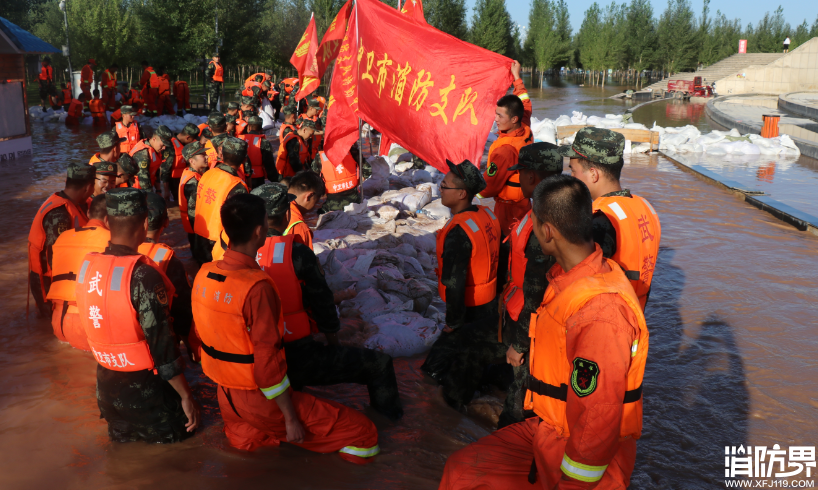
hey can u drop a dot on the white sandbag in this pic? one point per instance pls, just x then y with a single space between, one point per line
437 210
592 120
787 142
403 166
404 334
421 177
546 132
336 220
381 167
406 249
563 121
578 118
375 185
355 208
641 148
690 147
636 126
388 212
333 233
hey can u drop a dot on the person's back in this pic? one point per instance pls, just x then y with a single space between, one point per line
239 319
341 181
97 108
141 388
308 189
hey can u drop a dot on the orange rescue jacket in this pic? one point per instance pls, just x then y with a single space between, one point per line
513 294
130 133
341 177
254 153
512 191
214 186
218 74
155 158
282 160
187 174
276 258
159 253
179 163
70 250
483 230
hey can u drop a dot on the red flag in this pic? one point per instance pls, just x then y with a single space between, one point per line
342 120
304 60
331 42
414 10
430 92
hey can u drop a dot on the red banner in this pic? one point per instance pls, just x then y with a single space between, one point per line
414 10
342 119
430 92
331 42
305 61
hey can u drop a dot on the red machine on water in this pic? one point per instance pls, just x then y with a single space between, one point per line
689 88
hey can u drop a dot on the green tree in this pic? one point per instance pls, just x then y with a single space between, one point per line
491 27
676 46
548 43
768 36
447 15
640 35
722 41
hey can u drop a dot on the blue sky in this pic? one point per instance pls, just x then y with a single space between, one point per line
746 10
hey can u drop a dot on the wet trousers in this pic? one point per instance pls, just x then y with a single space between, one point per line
149 95
109 97
311 363
182 97
252 421
65 320
86 89
503 460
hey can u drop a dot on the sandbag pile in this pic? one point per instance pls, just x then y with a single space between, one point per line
719 143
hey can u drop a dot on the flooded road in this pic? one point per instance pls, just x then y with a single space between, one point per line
732 317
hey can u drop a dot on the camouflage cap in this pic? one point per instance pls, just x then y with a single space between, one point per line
109 139
543 157
192 149
313 102
81 172
232 105
289 110
126 201
207 133
235 146
127 109
248 100
157 211
191 130
216 119
255 120
126 163
308 123
471 176
165 134
105 168
265 84
231 119
276 198
596 145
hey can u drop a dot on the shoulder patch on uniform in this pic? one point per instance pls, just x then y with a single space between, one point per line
143 164
492 170
161 294
584 377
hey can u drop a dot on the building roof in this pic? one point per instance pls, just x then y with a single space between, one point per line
24 41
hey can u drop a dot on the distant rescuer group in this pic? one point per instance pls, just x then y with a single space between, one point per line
553 282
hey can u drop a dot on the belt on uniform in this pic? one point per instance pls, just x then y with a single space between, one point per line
227 356
561 392
512 184
70 276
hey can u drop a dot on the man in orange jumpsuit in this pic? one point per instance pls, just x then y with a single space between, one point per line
239 318
625 225
182 93
87 79
589 344
46 79
513 118
149 94
109 87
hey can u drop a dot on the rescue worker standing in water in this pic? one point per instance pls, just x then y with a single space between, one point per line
215 78
125 300
467 250
625 225
589 344
239 318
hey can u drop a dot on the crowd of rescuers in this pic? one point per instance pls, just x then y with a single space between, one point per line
552 283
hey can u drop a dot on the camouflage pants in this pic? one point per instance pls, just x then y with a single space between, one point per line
311 363
458 359
336 202
214 91
513 410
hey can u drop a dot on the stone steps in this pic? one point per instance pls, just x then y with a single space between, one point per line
726 67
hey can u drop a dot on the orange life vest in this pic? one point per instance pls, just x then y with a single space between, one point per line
289 84
281 134
512 191
254 153
109 318
212 154
218 302
97 107
147 76
341 177
220 247
179 163
75 109
187 174
248 88
321 102
214 186
164 85
549 364
130 133
36 236
638 233
70 250
159 253
155 158
241 126
276 258
134 96
483 230
513 295
108 79
218 74
67 97
252 79
282 161
297 218
46 73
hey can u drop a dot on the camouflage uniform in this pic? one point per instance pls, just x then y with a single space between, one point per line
268 158
285 131
214 89
294 150
203 251
141 405
127 166
169 156
458 359
55 222
542 157
142 159
311 363
189 190
605 147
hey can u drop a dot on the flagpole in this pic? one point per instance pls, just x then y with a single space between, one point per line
360 128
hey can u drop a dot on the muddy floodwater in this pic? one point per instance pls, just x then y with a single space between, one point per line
732 318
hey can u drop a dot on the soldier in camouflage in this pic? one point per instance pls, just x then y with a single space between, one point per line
125 171
311 363
268 159
79 185
469 343
195 154
231 124
232 109
290 113
218 127
536 162
161 140
105 179
188 134
214 86
141 405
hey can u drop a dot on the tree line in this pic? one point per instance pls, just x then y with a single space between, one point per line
179 34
